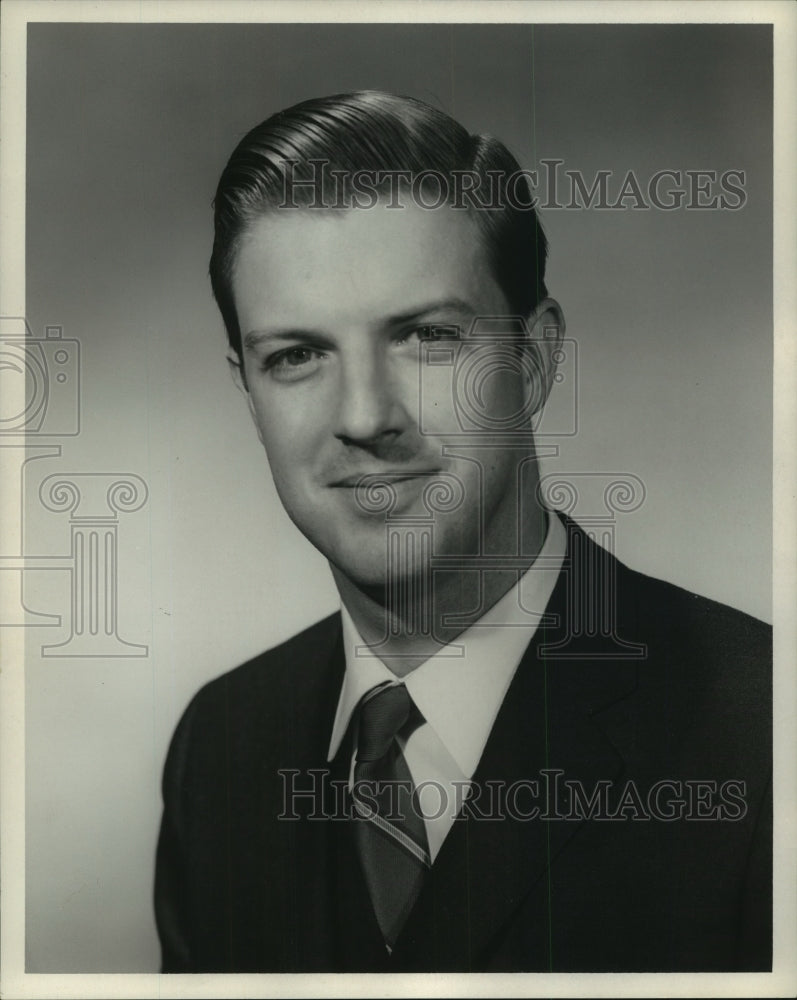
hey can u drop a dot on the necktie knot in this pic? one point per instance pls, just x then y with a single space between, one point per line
382 715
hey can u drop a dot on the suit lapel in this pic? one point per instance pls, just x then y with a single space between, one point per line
309 917
334 926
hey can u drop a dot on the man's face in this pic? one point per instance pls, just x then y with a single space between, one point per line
331 310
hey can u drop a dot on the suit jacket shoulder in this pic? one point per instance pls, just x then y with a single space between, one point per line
285 668
220 852
706 675
282 682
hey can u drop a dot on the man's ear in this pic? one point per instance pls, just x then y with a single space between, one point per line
546 326
239 377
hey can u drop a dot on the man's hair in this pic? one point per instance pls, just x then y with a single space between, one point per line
369 131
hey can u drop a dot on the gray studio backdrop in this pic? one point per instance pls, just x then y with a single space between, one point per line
128 130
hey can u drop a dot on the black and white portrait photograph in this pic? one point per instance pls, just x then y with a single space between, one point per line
398 547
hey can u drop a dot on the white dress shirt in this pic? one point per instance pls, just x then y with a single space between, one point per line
458 690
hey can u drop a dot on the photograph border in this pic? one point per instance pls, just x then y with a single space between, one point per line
14 982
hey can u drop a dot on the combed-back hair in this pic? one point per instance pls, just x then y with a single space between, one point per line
341 135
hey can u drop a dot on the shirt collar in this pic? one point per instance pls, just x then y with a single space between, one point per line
460 689
364 671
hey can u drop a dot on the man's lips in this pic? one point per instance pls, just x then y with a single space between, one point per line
365 479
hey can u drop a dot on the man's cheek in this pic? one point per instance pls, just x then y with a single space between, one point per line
285 438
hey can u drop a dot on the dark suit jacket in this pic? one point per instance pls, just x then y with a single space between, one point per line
239 890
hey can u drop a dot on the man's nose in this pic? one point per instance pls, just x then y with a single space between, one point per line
369 407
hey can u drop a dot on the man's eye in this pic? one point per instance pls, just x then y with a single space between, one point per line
433 331
439 331
292 363
295 356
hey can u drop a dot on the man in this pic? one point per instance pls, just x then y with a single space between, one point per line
508 752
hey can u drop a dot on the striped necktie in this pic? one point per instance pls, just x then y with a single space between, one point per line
389 825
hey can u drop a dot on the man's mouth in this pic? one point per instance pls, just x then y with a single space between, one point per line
366 479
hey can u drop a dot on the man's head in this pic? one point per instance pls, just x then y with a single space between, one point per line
298 157
329 297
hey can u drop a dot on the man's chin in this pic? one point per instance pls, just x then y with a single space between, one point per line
374 572
369 574
372 556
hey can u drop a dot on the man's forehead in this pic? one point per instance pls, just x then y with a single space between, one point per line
380 260
304 229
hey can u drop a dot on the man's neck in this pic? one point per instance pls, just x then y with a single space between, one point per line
392 628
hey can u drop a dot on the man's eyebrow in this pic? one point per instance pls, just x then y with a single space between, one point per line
254 338
442 305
